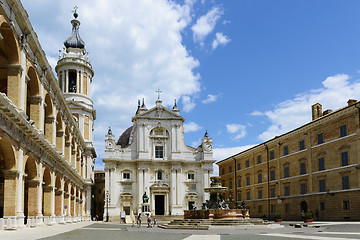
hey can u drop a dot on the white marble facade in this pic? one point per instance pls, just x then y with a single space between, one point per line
152 157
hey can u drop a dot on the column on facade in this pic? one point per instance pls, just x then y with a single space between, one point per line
66 81
54 126
20 181
174 138
206 183
77 82
35 198
179 187
88 202
13 80
23 80
81 82
173 191
146 181
39 111
140 187
74 201
39 193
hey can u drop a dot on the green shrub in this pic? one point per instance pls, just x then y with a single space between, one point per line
277 215
308 215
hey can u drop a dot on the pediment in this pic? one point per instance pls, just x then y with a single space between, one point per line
160 113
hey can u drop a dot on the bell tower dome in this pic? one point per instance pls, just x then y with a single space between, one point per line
75 74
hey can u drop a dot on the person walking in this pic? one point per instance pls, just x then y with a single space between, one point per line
139 220
148 220
155 222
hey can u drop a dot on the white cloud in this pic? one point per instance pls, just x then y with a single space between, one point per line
256 113
192 127
188 103
206 24
210 98
295 112
220 39
236 128
196 143
233 127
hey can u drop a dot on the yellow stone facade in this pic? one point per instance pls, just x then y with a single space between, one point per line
46 165
314 168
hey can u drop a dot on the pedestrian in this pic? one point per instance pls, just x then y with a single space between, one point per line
149 220
139 220
133 224
155 222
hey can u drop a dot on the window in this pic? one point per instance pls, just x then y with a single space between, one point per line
239 197
238 166
239 182
159 152
247 195
286 150
259 178
272 192
287 208
321 164
230 184
260 208
344 159
343 131
247 163
260 194
126 175
247 181
191 176
302 145
272 208
287 190
346 205
272 175
159 175
259 159
230 169
302 168
223 171
345 182
322 206
72 81
286 172
271 155
322 185
320 138
303 188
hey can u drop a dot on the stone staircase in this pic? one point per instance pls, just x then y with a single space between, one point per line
203 224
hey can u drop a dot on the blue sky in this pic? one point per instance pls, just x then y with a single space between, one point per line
246 71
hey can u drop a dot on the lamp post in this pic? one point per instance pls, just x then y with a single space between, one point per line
107 199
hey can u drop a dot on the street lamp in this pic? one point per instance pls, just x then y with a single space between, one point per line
107 199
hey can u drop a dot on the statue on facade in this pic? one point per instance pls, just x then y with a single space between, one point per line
145 198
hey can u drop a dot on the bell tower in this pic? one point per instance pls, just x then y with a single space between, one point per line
75 75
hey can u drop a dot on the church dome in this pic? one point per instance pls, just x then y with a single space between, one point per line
125 137
75 41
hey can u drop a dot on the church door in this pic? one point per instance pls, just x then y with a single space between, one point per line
159 204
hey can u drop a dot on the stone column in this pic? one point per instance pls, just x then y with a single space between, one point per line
23 80
20 189
140 187
88 202
66 81
40 219
77 82
11 207
173 193
14 83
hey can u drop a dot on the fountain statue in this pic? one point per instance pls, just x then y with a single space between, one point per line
216 207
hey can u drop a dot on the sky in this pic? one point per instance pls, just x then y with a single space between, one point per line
244 70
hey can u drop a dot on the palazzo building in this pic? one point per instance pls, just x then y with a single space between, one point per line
314 168
151 157
46 126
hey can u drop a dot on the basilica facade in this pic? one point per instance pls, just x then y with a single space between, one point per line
46 126
150 169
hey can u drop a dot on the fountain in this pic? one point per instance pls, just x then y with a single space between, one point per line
216 207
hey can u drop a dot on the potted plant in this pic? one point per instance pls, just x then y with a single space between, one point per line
277 217
308 217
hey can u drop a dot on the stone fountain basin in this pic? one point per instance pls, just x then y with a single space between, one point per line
215 189
217 214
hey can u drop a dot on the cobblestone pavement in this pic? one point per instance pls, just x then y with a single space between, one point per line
102 231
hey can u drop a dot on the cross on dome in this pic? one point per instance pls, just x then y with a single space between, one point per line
159 91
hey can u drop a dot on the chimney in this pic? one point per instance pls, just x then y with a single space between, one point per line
351 102
316 110
326 112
